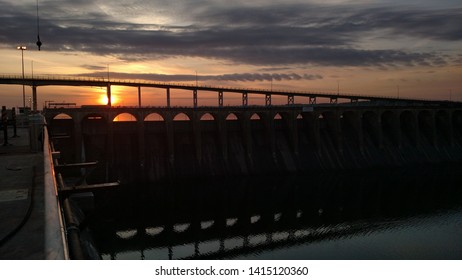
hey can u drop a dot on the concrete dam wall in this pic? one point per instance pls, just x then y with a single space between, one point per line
152 144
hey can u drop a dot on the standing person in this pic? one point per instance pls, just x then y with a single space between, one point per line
5 126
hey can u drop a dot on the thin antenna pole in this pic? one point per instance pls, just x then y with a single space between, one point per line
38 22
39 43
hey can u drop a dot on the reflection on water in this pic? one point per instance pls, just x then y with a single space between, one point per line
389 214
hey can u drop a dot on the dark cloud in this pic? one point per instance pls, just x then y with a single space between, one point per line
272 36
236 77
93 67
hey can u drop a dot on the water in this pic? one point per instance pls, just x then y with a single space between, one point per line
386 214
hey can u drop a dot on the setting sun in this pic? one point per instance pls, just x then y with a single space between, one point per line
103 99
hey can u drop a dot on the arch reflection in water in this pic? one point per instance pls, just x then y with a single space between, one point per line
275 217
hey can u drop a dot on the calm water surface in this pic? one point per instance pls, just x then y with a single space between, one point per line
387 214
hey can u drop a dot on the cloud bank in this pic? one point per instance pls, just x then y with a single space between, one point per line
267 35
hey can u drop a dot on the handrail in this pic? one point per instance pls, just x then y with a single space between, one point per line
55 236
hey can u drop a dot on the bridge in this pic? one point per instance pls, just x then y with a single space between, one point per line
310 97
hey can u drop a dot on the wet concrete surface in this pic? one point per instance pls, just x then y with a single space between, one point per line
22 219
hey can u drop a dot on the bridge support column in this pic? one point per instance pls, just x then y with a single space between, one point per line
109 98
110 142
245 99
247 133
270 131
434 135
333 124
78 140
371 124
359 125
34 98
168 97
170 139
352 121
195 98
293 131
267 99
221 122
312 100
450 129
290 100
396 128
418 141
220 99
141 143
139 97
314 130
197 137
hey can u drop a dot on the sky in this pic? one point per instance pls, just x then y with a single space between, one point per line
408 48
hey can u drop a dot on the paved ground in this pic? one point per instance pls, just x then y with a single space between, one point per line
21 191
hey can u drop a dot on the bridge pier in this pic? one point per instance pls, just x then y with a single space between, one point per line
168 97
267 99
108 92
78 140
221 122
197 137
270 132
195 98
34 98
110 142
290 121
170 139
220 99
247 136
141 142
139 97
290 99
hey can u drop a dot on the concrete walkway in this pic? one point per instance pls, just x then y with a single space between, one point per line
22 218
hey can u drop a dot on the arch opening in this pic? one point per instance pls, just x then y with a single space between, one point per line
207 117
232 117
124 117
255 117
154 117
62 116
181 117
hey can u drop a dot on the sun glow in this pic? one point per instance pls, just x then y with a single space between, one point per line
104 100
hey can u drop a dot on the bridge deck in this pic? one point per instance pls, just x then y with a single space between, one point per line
101 82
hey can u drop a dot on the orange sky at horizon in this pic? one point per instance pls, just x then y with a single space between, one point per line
438 84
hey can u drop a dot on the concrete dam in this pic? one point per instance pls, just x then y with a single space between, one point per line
160 143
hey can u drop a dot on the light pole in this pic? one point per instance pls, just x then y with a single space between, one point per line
22 49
